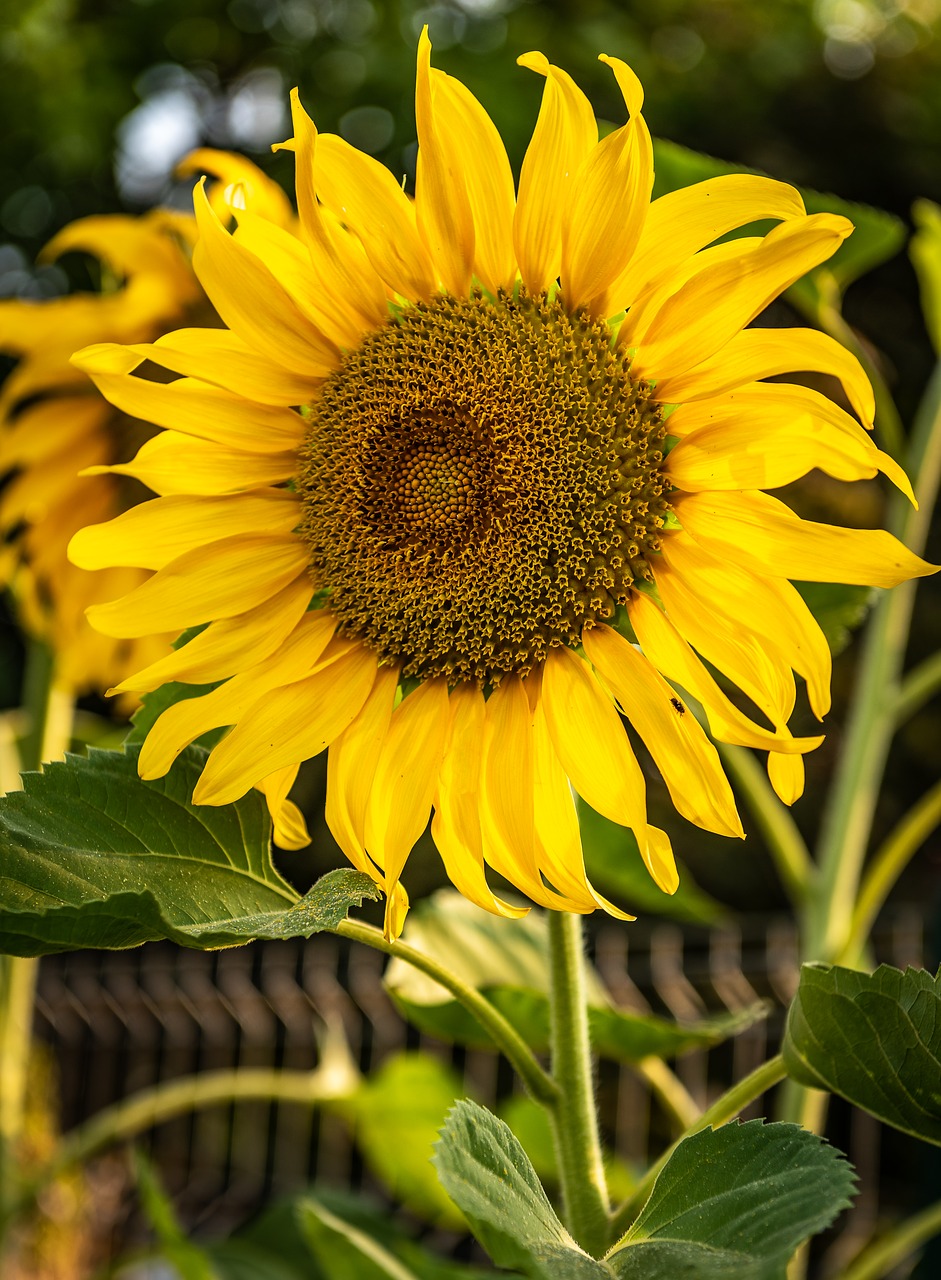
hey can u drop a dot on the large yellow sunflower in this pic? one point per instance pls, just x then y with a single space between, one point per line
470 478
53 422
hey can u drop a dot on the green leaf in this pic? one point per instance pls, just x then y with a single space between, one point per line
875 1039
488 1175
343 1251
925 253
878 235
839 609
734 1204
616 867
91 856
530 1124
153 705
397 1114
507 960
191 1262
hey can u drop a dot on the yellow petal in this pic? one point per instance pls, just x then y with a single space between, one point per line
660 861
290 829
287 725
605 217
488 179
255 190
564 135
189 406
766 353
591 742
172 463
351 768
366 197
764 536
251 301
152 534
684 755
722 299
442 207
50 428
787 776
682 222
185 721
406 778
670 654
229 645
218 580
455 826
767 608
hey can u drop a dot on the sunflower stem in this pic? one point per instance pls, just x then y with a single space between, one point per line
847 820
921 684
575 1118
721 1112
782 836
880 1258
540 1086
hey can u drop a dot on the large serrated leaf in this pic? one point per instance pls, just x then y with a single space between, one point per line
875 1039
507 960
488 1175
91 856
734 1204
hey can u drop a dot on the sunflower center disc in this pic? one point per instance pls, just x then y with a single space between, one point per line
479 480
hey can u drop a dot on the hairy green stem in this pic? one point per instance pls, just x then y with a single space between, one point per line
511 1044
879 1258
781 833
847 820
721 1112
575 1120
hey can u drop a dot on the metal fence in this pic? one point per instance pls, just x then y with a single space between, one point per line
119 1022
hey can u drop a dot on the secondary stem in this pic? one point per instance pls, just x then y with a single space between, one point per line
575 1119
881 1257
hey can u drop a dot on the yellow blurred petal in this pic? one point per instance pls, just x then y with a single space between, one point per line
670 654
351 768
766 353
787 776
287 725
442 207
239 176
366 197
606 214
152 534
684 755
290 829
50 428
172 463
185 721
564 135
251 301
682 222
218 580
455 826
487 176
406 777
189 406
591 742
229 645
764 536
722 299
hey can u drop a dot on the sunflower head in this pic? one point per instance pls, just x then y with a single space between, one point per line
469 490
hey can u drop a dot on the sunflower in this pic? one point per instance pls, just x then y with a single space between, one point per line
53 422
470 480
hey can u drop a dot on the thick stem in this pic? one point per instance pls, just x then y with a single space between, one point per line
781 834
511 1044
848 817
575 1118
721 1112
879 1259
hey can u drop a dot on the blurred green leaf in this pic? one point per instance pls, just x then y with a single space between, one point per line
397 1114
507 960
734 1204
486 1171
925 253
875 1039
343 1251
878 235
839 609
617 869
190 1261
91 856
